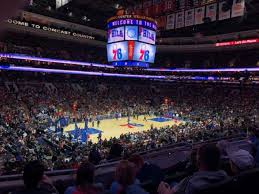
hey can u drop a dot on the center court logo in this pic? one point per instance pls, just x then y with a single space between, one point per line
132 125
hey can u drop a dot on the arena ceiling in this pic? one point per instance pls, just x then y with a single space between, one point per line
98 11
95 12
91 12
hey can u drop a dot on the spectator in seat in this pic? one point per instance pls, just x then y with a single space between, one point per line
35 181
146 171
223 145
85 181
115 151
191 166
241 160
255 142
125 180
95 156
208 160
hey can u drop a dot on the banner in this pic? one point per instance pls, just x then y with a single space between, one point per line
189 17
211 12
146 12
169 5
158 7
206 2
223 15
179 19
196 3
60 3
170 22
238 8
199 15
147 4
161 22
180 4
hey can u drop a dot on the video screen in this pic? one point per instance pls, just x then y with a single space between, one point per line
144 52
117 51
116 34
131 33
147 36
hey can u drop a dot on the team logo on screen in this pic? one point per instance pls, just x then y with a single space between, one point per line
145 33
117 33
117 52
131 33
144 53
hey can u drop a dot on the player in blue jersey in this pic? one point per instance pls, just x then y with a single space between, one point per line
128 119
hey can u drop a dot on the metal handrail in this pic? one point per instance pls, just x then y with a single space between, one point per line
112 163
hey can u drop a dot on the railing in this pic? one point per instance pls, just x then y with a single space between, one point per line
145 154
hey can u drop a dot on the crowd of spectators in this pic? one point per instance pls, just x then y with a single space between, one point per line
22 44
29 105
221 59
211 174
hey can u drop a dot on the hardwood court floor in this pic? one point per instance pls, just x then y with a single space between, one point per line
114 128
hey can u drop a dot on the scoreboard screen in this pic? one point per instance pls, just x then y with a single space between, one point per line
131 40
147 36
117 51
144 52
116 34
131 50
131 33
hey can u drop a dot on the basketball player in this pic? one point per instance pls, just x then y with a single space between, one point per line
98 123
100 137
128 119
86 123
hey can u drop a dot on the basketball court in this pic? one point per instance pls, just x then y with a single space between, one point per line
114 128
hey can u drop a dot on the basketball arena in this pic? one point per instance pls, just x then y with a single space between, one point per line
129 96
